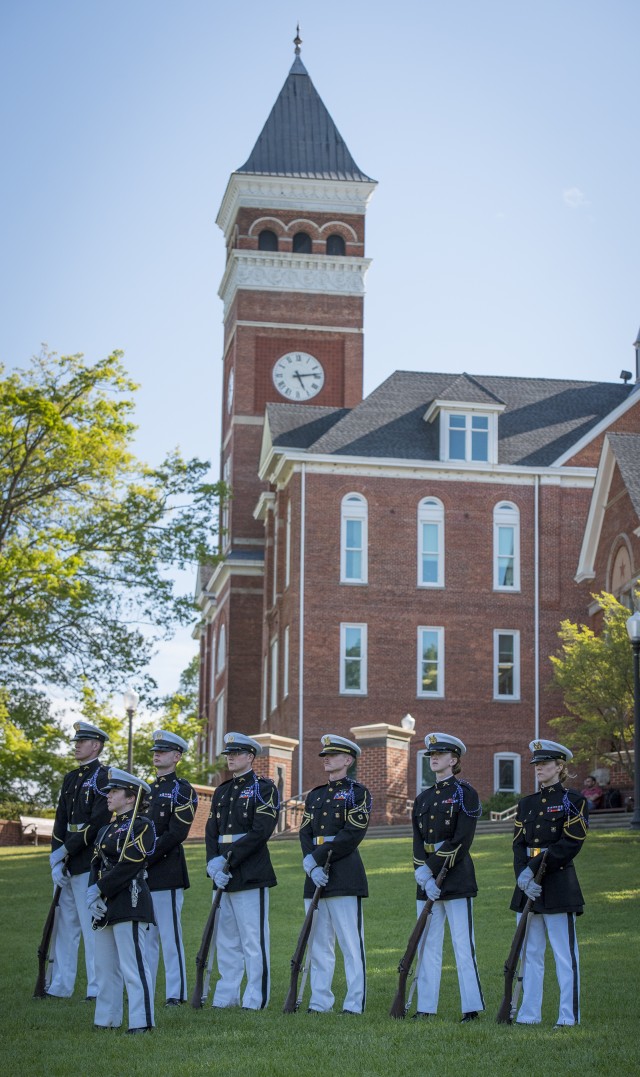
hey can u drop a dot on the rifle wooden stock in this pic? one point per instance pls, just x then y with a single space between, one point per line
399 1004
203 953
505 1016
40 990
291 1001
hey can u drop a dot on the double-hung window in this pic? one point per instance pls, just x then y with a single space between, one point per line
468 436
430 543
430 662
506 547
506 772
353 659
353 539
506 664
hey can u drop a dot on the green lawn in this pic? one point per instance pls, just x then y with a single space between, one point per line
51 1038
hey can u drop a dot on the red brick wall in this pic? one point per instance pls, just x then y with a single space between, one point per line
11 834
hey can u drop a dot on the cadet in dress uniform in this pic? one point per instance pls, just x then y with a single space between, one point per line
172 808
244 812
554 820
336 817
82 810
119 901
444 822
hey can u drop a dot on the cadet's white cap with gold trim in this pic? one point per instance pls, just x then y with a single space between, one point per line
87 731
164 741
334 745
121 779
238 742
444 742
544 750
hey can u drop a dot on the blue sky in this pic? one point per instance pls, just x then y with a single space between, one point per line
504 230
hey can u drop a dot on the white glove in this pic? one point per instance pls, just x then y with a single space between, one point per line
59 875
319 876
221 879
57 856
533 890
215 865
423 873
524 878
92 894
432 891
98 908
309 863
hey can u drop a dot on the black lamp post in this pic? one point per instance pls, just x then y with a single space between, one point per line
633 629
131 700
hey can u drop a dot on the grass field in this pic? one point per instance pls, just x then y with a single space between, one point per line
50 1038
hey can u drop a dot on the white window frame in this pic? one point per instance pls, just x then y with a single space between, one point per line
212 665
344 690
431 511
506 515
274 591
420 692
469 413
285 662
497 632
219 724
420 785
516 759
287 552
354 508
273 667
221 649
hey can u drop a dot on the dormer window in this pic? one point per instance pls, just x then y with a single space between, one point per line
468 430
468 437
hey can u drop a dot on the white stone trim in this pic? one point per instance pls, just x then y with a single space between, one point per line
632 399
595 519
301 327
272 271
288 192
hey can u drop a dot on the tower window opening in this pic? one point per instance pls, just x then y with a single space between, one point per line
301 243
267 240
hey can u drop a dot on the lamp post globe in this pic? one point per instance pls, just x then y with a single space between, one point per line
131 700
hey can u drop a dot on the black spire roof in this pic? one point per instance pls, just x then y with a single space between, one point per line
300 138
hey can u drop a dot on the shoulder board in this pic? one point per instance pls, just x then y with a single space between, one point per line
264 778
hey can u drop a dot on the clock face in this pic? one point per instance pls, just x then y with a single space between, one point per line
298 376
230 390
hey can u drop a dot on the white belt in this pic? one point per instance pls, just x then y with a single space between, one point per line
226 839
322 840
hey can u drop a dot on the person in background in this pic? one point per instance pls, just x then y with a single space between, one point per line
553 821
172 807
592 792
82 810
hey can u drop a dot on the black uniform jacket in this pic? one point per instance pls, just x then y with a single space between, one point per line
339 810
121 878
245 805
82 810
447 812
172 807
556 819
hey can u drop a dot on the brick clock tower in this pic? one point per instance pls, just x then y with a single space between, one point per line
293 218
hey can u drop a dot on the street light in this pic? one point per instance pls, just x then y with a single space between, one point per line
131 700
633 629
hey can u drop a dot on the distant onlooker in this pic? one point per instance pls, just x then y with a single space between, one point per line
592 792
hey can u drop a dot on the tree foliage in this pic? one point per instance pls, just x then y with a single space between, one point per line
32 742
595 674
88 533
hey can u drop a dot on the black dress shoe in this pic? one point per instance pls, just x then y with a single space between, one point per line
471 1016
90 998
173 1002
354 1012
135 1031
419 1015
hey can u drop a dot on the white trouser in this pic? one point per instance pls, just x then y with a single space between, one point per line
561 929
121 961
167 906
242 944
339 917
73 920
459 913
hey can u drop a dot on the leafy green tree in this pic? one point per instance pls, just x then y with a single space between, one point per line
88 533
595 675
32 759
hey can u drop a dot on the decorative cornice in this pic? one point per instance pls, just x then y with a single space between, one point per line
285 192
265 271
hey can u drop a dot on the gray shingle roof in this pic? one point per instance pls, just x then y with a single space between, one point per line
300 138
542 418
299 425
626 449
465 388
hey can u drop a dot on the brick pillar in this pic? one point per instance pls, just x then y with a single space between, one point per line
276 762
384 768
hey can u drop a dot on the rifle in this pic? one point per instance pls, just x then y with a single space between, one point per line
506 1012
292 1001
40 990
198 995
399 1004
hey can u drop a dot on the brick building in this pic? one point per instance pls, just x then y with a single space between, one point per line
408 553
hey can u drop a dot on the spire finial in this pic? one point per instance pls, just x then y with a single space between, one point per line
297 40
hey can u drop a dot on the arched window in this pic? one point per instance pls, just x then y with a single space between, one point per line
506 547
301 243
430 543
221 653
353 539
267 240
335 245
